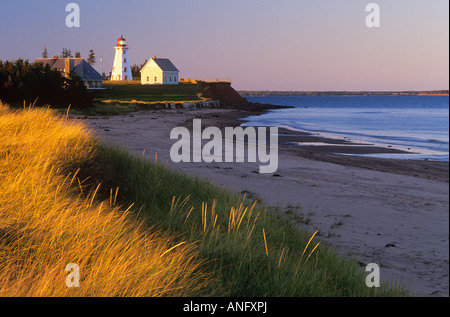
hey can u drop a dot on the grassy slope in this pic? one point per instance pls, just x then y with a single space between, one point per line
126 97
46 222
125 91
49 219
251 252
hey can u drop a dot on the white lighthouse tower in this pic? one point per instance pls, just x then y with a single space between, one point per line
121 70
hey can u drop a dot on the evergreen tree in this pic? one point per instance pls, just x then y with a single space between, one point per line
66 53
45 53
77 54
21 81
91 59
136 70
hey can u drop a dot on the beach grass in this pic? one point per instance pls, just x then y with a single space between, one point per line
251 250
47 221
137 228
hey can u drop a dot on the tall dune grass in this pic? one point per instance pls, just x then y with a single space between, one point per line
250 250
46 222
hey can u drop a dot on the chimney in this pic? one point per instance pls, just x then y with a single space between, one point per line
68 66
154 57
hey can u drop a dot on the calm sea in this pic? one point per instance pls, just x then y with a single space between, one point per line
415 123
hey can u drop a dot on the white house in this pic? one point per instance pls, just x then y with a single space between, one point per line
159 71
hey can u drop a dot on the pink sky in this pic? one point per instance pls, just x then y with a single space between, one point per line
259 44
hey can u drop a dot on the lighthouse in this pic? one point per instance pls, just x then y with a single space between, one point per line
121 70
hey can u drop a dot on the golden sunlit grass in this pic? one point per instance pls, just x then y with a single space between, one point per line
46 222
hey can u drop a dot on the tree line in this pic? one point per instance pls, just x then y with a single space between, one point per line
25 82
67 53
136 70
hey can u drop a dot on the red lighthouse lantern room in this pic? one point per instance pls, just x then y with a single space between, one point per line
121 41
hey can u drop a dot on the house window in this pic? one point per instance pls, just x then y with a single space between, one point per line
165 79
156 78
170 78
124 69
125 77
124 60
148 79
175 79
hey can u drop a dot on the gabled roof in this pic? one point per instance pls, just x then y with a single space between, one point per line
86 72
163 63
82 68
58 63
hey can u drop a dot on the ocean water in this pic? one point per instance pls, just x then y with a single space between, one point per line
418 124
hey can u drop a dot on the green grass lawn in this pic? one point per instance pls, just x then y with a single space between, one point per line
129 91
106 109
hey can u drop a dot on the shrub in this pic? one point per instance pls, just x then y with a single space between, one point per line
23 82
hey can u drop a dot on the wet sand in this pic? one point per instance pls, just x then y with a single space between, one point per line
391 212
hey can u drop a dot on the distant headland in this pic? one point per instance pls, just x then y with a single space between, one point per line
261 93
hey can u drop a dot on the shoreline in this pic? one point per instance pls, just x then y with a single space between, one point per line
265 93
436 170
390 212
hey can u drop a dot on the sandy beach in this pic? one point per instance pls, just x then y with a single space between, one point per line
391 212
